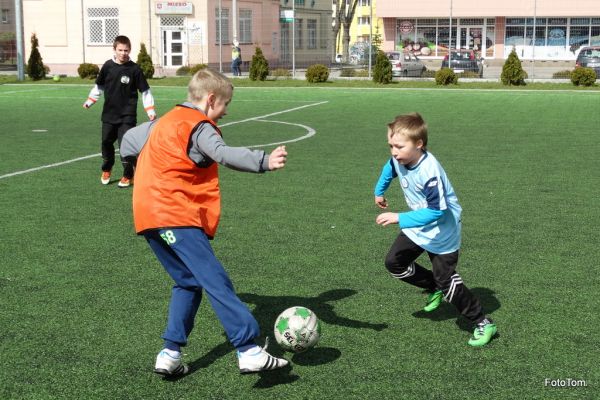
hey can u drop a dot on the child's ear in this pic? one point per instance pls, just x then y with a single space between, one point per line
210 99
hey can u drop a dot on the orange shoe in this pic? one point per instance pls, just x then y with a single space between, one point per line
125 182
105 178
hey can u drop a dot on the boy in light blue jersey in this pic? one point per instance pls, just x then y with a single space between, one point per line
433 224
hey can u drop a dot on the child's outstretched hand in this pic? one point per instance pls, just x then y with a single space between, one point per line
387 218
277 158
381 202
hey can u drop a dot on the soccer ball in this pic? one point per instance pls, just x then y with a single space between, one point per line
297 329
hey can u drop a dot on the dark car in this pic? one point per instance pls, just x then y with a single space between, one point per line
589 57
464 61
405 64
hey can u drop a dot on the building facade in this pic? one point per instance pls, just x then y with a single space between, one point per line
536 29
8 47
175 33
365 27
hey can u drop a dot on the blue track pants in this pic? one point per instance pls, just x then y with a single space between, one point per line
188 258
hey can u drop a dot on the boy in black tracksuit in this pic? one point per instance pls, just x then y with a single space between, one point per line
119 79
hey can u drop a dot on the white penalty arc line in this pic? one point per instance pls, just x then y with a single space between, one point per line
311 132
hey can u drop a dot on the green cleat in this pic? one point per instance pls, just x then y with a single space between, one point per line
484 332
433 301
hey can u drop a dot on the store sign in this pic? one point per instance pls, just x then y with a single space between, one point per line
174 7
286 16
406 27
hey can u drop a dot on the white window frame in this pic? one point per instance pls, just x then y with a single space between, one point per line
365 20
107 37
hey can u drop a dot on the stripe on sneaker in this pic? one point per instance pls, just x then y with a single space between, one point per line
270 363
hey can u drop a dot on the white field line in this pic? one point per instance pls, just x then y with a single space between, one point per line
58 164
311 132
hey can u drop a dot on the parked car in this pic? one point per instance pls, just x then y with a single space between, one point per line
589 57
405 64
464 61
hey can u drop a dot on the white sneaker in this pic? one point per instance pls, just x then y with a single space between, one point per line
168 363
257 359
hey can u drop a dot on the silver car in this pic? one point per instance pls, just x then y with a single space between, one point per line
589 57
405 64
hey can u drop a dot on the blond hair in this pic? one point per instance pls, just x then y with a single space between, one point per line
411 126
207 81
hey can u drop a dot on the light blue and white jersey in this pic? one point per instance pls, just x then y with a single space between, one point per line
426 188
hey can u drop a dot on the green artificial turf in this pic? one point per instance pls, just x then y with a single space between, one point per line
83 300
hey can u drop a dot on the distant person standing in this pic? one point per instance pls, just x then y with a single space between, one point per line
236 58
119 79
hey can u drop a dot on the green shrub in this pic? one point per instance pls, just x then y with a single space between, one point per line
35 65
196 68
259 66
145 62
566 74
469 74
281 73
347 72
317 73
445 76
583 76
88 71
382 71
512 71
183 71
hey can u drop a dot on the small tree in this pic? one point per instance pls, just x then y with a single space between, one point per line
35 64
145 62
259 67
376 41
317 73
583 76
445 76
88 71
512 71
382 72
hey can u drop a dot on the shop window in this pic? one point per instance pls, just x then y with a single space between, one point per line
557 35
580 21
425 43
578 36
471 21
515 36
595 36
489 41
